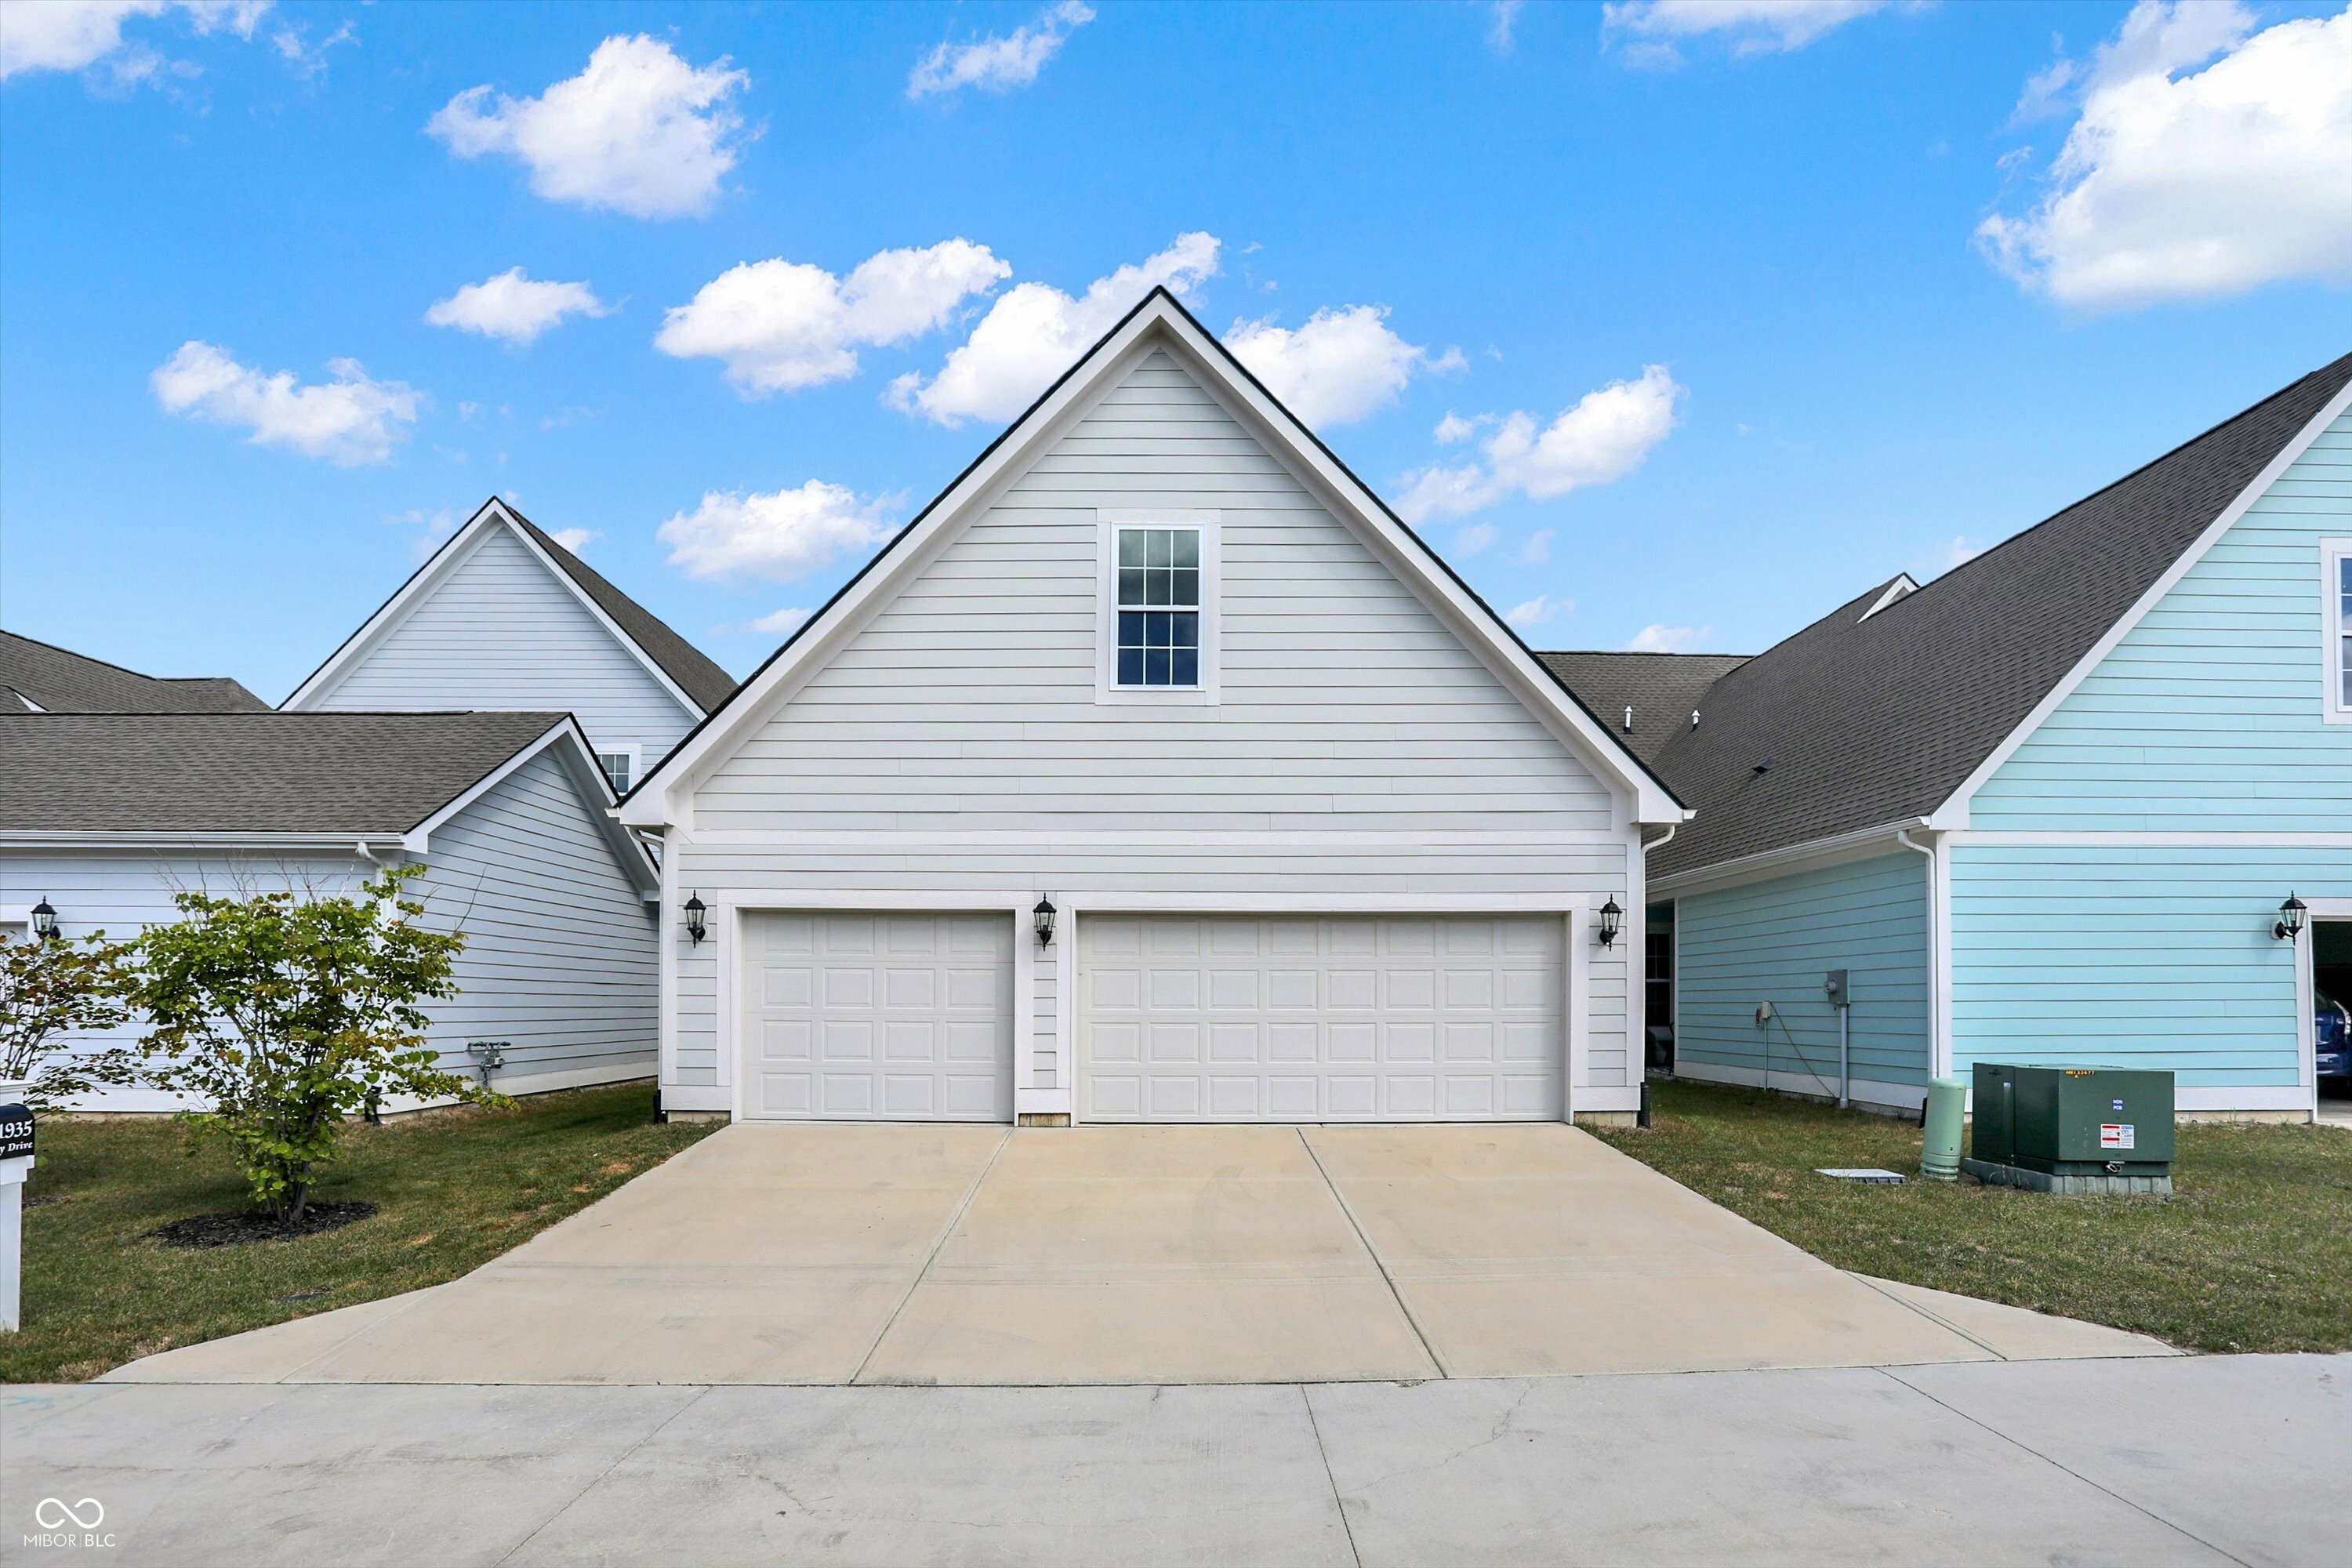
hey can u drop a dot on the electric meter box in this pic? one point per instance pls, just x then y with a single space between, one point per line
2085 1122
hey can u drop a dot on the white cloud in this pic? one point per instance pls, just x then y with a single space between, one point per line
68 34
350 419
1343 364
308 59
1655 638
1750 26
1536 611
1472 540
998 65
1035 331
639 131
572 539
782 325
1501 18
1599 440
1537 549
513 307
1957 551
2173 186
775 624
1454 428
777 535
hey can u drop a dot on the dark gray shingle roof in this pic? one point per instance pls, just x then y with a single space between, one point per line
1872 722
1660 688
60 681
698 676
247 773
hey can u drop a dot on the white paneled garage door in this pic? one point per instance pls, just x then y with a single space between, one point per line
1322 1017
880 1017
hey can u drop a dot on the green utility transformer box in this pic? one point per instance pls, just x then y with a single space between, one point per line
2071 1130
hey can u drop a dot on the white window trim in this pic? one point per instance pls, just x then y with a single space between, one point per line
2333 625
1107 692
636 755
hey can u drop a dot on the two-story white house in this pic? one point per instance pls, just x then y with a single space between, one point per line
1154 772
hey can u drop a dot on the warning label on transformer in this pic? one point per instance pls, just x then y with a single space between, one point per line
2116 1135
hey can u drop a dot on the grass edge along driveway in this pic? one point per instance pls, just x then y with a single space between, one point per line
2253 1251
454 1190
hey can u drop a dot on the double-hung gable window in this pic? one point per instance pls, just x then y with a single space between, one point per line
620 768
1159 607
2336 588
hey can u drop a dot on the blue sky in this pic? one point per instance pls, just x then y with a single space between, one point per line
1670 324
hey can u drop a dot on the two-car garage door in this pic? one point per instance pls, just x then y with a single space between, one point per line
1179 1017
1320 1017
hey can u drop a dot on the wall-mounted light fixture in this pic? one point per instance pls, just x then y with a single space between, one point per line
1042 917
1612 921
696 920
44 919
2290 920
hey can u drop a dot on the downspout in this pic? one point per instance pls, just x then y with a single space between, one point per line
1936 980
1642 1117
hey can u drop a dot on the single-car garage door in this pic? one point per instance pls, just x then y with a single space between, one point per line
882 1016
1322 1017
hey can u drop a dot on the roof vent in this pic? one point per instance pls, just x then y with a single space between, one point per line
1629 719
1693 718
1761 769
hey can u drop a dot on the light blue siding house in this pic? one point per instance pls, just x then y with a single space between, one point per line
2045 809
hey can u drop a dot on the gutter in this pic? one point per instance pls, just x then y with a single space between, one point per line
1747 867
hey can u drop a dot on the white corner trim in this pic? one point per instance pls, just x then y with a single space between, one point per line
1954 811
1209 692
427 578
1158 321
2335 631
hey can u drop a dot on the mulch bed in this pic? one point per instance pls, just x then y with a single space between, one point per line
255 1225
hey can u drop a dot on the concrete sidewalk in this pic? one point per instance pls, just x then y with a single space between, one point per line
2176 1460
843 1253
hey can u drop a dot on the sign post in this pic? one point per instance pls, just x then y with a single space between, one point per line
16 1164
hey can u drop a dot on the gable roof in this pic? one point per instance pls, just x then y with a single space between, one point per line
1882 714
695 673
250 772
43 676
1159 318
1662 688
698 682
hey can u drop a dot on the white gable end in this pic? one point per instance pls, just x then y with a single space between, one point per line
494 627
968 702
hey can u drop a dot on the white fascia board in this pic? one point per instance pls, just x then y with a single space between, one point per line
1954 811
579 761
430 576
1902 587
1861 844
1159 318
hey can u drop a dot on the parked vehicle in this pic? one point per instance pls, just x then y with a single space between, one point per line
2332 1033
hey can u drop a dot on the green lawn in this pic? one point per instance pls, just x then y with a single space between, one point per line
2252 1251
453 1189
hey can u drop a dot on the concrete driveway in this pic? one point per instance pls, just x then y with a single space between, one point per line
835 1253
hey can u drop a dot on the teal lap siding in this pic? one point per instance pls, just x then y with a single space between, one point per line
2133 955
1774 941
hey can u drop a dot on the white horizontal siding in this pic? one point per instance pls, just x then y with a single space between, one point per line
560 947
965 709
499 631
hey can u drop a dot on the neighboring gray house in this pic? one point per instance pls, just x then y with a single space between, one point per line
107 816
1318 839
38 677
504 616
